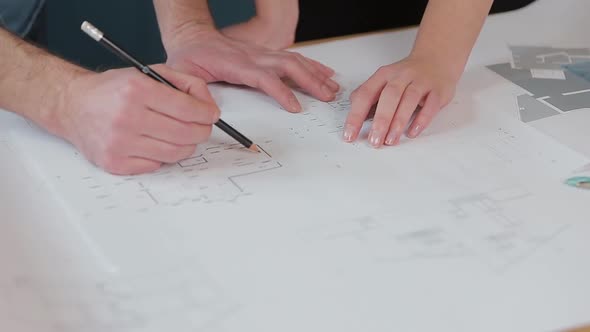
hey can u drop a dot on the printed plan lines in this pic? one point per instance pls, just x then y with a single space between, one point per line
556 80
479 227
191 181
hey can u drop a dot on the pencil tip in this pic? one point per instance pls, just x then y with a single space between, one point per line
254 148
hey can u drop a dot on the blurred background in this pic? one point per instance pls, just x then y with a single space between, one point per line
132 23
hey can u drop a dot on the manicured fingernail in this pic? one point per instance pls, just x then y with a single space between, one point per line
295 107
391 137
327 91
415 131
348 133
375 138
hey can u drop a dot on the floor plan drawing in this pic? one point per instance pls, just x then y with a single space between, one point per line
212 175
478 227
550 58
189 181
543 72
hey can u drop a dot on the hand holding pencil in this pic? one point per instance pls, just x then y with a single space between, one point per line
99 36
126 123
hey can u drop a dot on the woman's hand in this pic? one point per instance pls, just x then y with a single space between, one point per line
415 84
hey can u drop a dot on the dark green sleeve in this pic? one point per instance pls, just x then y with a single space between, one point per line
19 16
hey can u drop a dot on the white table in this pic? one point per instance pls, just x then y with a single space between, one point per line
547 22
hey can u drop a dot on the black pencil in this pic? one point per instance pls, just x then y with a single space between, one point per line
99 36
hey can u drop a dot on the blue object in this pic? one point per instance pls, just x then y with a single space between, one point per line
582 182
581 69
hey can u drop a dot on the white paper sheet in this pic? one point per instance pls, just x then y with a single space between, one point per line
313 228
469 228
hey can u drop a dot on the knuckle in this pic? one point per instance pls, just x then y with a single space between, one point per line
408 72
193 134
111 164
289 61
199 83
262 79
120 120
361 92
180 133
131 90
395 88
385 70
198 134
112 143
413 91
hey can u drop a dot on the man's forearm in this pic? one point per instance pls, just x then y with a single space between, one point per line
449 30
180 17
32 81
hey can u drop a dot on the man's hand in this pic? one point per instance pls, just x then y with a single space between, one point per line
217 58
126 123
195 47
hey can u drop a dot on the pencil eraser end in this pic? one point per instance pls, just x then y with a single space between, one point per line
92 31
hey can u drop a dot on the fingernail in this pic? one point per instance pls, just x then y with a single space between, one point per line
415 131
327 91
348 133
375 138
391 137
295 107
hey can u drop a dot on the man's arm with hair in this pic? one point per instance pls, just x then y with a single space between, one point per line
121 120
32 82
179 18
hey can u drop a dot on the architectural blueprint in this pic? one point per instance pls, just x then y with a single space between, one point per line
473 226
229 240
553 78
